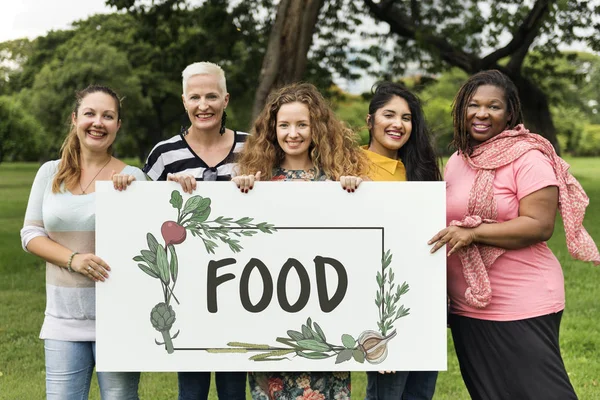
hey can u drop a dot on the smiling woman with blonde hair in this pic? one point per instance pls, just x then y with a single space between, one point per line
59 227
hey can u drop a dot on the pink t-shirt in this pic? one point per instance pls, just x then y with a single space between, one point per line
527 282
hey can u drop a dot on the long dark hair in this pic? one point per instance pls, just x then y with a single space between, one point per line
493 77
417 154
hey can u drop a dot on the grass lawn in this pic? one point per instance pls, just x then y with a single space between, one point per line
22 302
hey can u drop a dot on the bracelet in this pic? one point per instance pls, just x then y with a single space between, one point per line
70 261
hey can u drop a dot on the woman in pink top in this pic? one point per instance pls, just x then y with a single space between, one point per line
506 288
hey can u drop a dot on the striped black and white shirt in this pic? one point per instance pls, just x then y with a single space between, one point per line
176 156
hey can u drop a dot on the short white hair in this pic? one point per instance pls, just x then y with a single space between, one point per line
204 68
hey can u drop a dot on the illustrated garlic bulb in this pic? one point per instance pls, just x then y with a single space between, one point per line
374 345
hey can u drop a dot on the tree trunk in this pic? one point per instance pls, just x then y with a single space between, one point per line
287 51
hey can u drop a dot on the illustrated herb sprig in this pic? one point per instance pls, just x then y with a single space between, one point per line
386 299
193 217
160 262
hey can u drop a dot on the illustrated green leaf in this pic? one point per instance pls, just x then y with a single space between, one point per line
174 264
387 259
358 355
162 264
152 242
233 245
288 342
343 355
139 259
176 199
148 271
348 341
196 204
309 323
312 355
200 216
320 332
209 245
379 279
404 288
311 344
243 221
307 333
149 257
223 220
295 335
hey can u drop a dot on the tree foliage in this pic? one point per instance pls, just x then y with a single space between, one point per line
142 49
21 135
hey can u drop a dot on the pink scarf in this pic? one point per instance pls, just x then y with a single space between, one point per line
496 152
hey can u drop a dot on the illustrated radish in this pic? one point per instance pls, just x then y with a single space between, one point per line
173 233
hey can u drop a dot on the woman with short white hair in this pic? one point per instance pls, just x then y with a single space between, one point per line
204 151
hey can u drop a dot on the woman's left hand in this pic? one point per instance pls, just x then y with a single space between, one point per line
121 181
454 236
350 183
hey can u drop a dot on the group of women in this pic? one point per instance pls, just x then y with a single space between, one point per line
504 186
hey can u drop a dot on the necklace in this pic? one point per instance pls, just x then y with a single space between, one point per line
93 179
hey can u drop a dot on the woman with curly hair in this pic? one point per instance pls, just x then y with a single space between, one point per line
298 137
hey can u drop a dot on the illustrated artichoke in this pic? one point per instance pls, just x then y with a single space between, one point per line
162 317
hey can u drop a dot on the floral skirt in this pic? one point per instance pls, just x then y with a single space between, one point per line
300 385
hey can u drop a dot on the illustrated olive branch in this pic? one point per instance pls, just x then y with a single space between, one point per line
385 298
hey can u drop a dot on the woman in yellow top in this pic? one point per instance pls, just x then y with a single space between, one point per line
399 150
399 147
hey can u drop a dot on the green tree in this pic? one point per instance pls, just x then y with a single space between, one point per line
469 35
21 135
85 62
459 34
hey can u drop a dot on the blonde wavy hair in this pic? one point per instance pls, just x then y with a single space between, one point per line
69 168
334 151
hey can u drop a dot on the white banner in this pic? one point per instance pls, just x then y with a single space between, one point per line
301 274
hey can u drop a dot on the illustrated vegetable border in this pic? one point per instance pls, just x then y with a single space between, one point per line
160 262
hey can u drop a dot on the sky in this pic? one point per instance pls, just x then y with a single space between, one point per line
32 18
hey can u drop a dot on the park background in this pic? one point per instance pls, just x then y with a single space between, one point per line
548 47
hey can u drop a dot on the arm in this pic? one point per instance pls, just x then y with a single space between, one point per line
88 264
535 223
35 237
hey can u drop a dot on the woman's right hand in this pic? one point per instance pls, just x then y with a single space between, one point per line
90 265
246 182
187 181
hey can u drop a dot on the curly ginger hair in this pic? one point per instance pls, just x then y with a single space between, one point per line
333 151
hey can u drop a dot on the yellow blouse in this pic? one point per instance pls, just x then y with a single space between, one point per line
383 168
